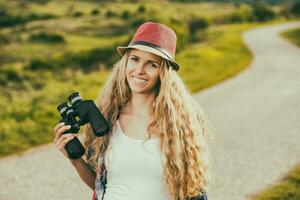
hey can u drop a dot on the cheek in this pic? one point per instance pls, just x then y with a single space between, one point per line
127 74
155 76
154 72
128 70
157 80
130 64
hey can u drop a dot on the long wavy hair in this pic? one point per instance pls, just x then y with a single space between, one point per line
181 124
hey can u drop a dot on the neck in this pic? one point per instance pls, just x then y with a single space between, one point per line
140 105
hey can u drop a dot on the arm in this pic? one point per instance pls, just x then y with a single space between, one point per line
85 172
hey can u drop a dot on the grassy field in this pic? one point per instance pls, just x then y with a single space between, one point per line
288 188
36 75
293 36
34 95
221 56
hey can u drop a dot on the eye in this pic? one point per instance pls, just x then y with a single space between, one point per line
153 65
134 58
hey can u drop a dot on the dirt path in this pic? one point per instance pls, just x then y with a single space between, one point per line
256 115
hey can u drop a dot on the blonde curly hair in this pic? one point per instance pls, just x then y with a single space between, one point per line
181 124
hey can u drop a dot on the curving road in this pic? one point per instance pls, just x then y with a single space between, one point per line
256 116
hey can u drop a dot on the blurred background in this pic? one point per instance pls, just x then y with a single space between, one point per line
50 48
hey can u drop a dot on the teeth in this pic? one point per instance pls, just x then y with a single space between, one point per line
137 80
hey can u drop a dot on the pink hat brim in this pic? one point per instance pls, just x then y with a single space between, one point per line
122 50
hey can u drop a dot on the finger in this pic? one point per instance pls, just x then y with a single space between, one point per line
58 126
62 138
63 143
60 131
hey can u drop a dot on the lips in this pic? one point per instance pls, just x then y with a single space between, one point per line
138 80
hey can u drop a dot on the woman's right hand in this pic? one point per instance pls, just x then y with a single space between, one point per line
61 139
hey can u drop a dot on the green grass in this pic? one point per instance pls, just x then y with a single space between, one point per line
30 113
293 36
222 56
28 98
208 10
74 44
288 188
33 100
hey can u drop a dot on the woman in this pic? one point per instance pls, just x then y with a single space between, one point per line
157 146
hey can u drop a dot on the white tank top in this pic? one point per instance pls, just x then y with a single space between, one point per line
134 169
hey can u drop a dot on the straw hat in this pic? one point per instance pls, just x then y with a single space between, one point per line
155 38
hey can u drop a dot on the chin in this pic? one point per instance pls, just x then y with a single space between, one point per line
142 90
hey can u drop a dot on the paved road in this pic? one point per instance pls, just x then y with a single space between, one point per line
255 115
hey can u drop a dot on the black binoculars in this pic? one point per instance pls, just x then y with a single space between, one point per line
77 114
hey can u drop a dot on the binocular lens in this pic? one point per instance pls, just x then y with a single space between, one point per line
62 108
65 110
75 98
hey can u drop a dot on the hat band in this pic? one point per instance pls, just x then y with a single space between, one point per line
153 46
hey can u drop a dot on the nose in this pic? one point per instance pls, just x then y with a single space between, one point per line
139 68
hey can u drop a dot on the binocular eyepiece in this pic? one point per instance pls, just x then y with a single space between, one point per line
77 114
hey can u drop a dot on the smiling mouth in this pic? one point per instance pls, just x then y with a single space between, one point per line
138 80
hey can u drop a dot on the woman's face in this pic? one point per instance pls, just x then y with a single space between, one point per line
142 71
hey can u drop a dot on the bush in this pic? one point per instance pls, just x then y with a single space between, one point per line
3 12
235 18
3 39
110 14
137 22
243 14
88 59
7 20
36 64
295 9
238 17
39 1
141 9
47 37
85 61
95 12
125 14
9 75
261 12
182 32
197 24
77 14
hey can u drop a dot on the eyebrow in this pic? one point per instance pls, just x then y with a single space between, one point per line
148 60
